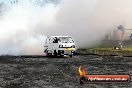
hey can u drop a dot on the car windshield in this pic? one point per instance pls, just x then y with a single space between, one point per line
65 40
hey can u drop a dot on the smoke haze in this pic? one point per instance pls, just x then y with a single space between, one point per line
24 26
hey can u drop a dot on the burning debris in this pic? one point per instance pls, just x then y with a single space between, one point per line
81 71
81 75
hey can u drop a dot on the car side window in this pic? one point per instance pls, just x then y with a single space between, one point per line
55 40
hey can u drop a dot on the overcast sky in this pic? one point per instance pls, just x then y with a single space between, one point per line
5 1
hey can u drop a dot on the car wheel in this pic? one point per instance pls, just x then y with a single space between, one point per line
70 55
55 53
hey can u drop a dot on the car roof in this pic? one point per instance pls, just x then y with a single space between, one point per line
60 36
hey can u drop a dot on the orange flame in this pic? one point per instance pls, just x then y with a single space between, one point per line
81 71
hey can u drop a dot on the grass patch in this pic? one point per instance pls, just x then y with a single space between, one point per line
109 48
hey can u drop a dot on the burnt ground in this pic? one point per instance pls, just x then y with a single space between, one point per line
43 72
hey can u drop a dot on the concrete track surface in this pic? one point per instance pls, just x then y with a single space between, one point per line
44 72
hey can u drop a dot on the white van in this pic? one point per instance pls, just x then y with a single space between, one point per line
59 45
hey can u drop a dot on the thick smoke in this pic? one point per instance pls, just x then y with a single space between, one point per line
18 34
24 26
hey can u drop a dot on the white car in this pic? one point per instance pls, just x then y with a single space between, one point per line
59 46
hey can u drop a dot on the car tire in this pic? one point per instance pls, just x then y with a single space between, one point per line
70 55
55 53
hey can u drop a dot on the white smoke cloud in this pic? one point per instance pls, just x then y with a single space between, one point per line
18 34
23 28
89 20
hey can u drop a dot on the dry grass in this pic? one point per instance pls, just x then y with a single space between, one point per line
125 48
